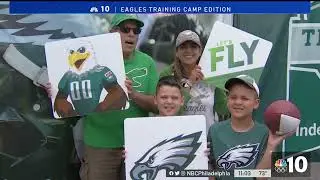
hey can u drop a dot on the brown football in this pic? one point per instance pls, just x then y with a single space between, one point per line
281 117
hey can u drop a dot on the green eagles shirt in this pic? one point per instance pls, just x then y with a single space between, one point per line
105 129
85 89
236 150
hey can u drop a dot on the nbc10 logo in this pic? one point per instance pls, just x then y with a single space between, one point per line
294 166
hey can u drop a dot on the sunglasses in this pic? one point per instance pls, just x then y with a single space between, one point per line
127 30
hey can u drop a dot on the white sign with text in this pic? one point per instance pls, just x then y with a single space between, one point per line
230 50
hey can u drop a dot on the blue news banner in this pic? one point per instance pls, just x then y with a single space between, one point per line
137 7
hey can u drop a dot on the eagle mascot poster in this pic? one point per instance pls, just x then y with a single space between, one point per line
165 143
87 75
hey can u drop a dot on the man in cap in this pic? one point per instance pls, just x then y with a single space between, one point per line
103 132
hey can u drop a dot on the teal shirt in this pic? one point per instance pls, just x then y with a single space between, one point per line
85 89
236 150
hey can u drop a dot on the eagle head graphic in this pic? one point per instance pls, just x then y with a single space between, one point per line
81 57
239 156
172 154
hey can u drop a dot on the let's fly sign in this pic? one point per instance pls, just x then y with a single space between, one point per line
230 52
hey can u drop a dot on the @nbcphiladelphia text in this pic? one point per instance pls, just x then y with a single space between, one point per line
196 173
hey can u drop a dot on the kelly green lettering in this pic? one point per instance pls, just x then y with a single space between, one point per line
231 63
309 32
249 50
215 58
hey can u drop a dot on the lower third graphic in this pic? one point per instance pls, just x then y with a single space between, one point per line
196 173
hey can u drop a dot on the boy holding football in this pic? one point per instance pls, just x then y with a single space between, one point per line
241 142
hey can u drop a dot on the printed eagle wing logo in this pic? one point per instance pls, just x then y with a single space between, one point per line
176 153
239 156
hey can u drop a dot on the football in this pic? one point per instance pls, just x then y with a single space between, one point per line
282 117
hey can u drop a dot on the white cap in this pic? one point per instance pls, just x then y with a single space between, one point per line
187 35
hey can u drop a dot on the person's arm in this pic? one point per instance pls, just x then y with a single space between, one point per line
220 104
196 75
211 161
272 143
211 169
146 102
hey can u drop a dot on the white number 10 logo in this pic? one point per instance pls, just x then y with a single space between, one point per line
296 164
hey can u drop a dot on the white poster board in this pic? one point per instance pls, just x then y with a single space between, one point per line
88 73
230 51
154 144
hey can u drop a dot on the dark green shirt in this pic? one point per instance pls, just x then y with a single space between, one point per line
85 89
236 150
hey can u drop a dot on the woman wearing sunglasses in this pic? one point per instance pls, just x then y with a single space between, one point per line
200 98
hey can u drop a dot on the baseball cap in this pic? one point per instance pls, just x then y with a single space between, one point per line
187 35
244 79
119 18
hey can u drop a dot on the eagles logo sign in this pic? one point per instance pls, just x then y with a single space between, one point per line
172 154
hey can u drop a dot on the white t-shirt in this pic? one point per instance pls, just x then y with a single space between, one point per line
201 102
